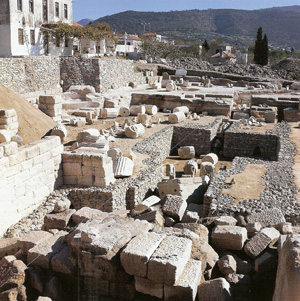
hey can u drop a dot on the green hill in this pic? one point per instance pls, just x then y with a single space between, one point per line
237 27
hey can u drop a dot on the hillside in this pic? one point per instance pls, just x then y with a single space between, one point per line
84 22
238 27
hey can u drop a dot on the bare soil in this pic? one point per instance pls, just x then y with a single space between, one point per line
33 123
248 184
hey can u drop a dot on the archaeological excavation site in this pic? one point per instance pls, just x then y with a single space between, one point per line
123 180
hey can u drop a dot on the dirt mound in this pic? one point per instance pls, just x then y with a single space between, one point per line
33 123
288 68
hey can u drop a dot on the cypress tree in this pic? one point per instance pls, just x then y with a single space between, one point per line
261 50
205 45
265 54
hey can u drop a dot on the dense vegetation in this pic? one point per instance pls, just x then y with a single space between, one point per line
237 27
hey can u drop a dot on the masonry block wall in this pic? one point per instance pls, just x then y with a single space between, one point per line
102 74
243 144
31 74
28 175
200 137
90 170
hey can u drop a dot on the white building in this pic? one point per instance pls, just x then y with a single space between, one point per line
21 22
128 44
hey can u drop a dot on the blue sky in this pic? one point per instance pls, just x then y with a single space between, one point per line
94 9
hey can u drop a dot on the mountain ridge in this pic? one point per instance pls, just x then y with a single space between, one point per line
235 26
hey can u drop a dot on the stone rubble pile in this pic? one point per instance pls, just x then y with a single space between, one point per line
117 256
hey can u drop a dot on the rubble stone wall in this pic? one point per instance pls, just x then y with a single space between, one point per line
102 74
199 137
30 74
245 144
28 175
127 193
279 192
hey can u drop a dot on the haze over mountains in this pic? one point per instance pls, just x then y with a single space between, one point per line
237 27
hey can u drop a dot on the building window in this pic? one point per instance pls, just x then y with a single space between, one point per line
56 9
21 36
32 37
31 6
45 10
19 5
66 11
66 42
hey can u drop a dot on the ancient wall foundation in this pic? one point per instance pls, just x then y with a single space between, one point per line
199 137
28 175
102 74
30 74
127 193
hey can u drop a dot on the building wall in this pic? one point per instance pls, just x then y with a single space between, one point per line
30 74
28 21
28 175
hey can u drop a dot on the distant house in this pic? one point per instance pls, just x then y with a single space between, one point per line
21 24
152 35
128 45
222 56
90 47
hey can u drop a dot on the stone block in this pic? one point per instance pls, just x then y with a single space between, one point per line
58 220
135 131
169 260
5 136
31 239
17 158
227 265
174 206
229 237
225 221
149 287
151 201
154 217
10 148
151 110
64 261
41 254
267 218
85 213
186 152
50 99
109 113
123 167
183 109
8 246
107 239
261 241
270 117
72 169
135 257
186 286
88 135
199 229
265 263
217 289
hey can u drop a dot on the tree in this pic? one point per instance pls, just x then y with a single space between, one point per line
261 49
205 45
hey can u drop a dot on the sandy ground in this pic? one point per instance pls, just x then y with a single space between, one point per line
247 187
294 136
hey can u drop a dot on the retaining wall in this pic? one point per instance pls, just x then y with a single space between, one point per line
28 175
102 74
200 137
245 144
31 74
